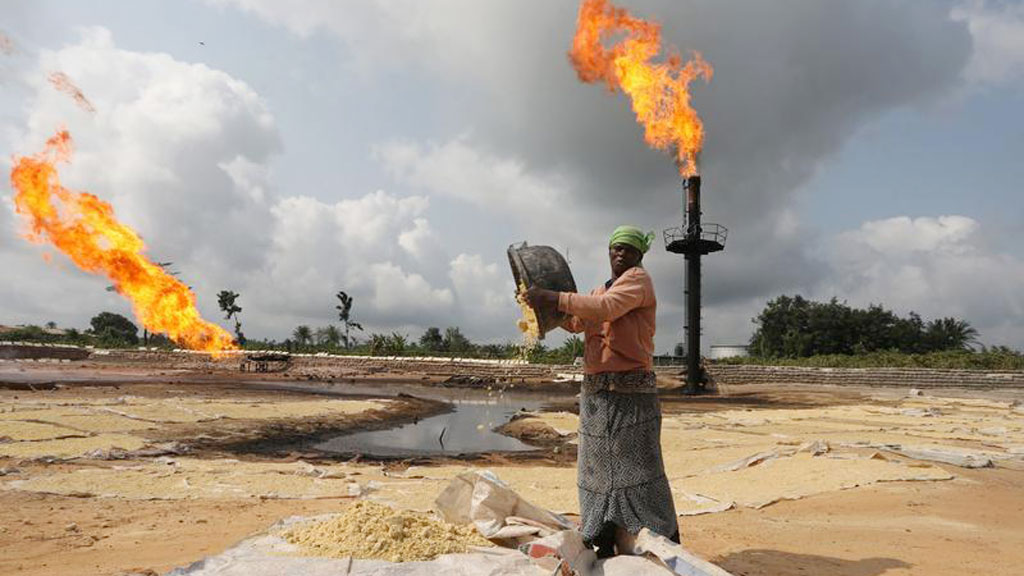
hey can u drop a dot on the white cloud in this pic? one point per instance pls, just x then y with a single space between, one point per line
458 170
183 152
903 236
404 294
455 36
251 179
997 31
484 292
934 266
158 145
482 287
320 247
167 146
418 240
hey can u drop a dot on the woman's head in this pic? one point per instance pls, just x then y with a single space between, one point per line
626 248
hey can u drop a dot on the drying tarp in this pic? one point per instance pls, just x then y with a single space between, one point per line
479 498
269 555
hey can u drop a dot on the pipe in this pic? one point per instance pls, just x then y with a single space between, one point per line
694 371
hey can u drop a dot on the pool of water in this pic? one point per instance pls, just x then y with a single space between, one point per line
468 429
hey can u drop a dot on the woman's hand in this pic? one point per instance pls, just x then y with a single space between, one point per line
541 299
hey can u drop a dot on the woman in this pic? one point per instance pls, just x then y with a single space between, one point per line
621 477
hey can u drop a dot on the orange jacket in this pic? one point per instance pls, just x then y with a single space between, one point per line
618 323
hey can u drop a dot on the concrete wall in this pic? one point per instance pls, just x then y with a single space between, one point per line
29 351
323 365
899 377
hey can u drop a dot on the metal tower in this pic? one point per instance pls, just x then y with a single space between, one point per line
693 240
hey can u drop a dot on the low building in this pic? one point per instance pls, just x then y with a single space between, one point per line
719 351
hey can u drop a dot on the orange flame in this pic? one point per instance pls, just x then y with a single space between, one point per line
85 229
659 90
64 84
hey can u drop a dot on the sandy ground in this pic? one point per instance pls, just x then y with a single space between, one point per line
129 477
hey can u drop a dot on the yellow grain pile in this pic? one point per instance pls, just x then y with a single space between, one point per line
528 324
367 530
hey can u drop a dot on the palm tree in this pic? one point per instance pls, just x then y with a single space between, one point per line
572 347
378 343
328 336
226 301
302 335
396 343
951 334
344 313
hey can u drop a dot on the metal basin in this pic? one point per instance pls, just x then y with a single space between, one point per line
544 267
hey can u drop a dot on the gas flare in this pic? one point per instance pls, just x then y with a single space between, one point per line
85 229
659 90
64 84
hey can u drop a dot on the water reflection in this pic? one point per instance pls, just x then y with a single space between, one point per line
466 430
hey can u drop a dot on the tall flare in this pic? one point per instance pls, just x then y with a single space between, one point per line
659 90
85 229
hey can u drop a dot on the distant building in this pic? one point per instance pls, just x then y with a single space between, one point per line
669 360
719 351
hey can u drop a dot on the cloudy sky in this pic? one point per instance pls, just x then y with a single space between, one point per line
393 149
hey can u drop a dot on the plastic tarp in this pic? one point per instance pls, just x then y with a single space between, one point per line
495 509
499 514
270 555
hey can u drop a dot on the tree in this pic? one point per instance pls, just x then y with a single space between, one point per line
572 347
378 344
344 314
51 325
779 327
909 334
454 342
396 343
226 301
160 341
328 336
303 335
114 329
950 334
796 327
493 351
432 340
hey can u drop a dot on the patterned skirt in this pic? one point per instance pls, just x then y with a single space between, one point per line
621 476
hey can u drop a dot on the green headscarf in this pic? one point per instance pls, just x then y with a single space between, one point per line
632 236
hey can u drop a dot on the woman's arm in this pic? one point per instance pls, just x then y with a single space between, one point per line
541 299
629 292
